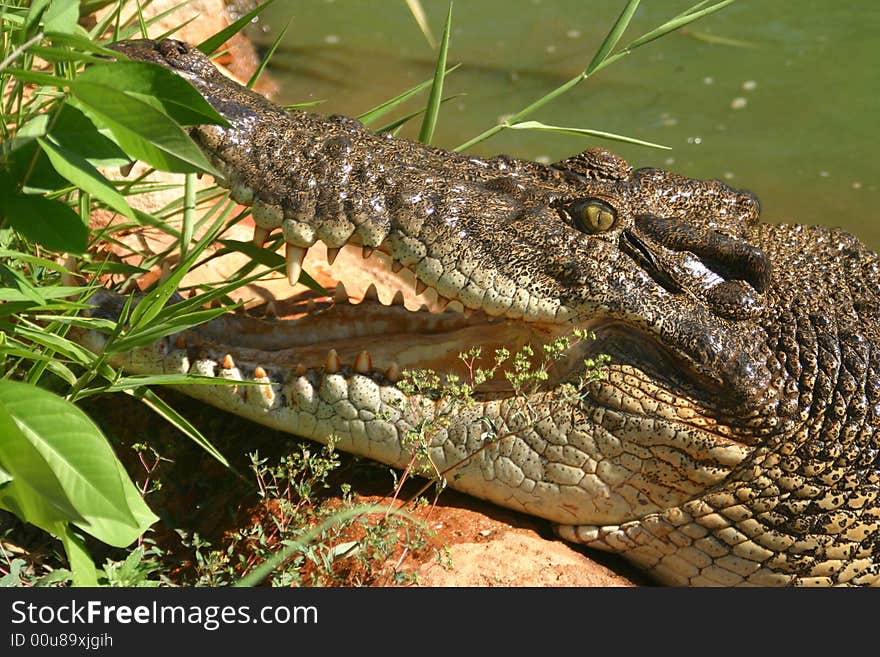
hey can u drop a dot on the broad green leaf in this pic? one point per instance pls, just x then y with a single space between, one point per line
157 86
82 174
51 224
73 130
61 16
143 131
35 12
35 77
82 567
63 469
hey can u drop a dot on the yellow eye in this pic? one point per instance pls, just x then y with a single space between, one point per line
593 215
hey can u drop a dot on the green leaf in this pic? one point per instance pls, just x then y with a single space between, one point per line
434 100
264 60
159 405
73 130
79 172
371 115
4 477
685 18
586 132
211 44
51 224
81 565
613 35
157 86
144 132
61 16
64 470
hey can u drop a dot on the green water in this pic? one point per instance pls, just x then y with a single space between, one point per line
782 98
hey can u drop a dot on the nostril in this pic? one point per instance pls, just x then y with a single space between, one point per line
729 257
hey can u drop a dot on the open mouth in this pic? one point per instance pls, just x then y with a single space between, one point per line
379 328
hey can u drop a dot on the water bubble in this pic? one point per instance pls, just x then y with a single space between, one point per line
708 80
331 39
738 103
695 140
573 34
749 85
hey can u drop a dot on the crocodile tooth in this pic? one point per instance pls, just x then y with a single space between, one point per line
125 170
180 342
295 256
228 363
339 294
371 294
442 302
367 251
424 309
300 370
397 300
259 372
420 286
310 306
467 312
363 363
393 372
331 255
332 364
396 266
271 310
260 235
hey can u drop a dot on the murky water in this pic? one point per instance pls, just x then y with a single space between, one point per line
782 98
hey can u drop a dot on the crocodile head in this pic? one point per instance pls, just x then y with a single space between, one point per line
684 289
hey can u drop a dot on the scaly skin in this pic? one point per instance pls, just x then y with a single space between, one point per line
733 439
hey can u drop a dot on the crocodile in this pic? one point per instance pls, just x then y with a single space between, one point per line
732 435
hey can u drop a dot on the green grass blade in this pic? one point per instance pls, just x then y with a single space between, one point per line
380 110
418 12
211 44
398 123
585 132
613 35
264 61
678 22
433 109
161 407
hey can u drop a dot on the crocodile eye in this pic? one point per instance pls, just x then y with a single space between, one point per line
592 215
